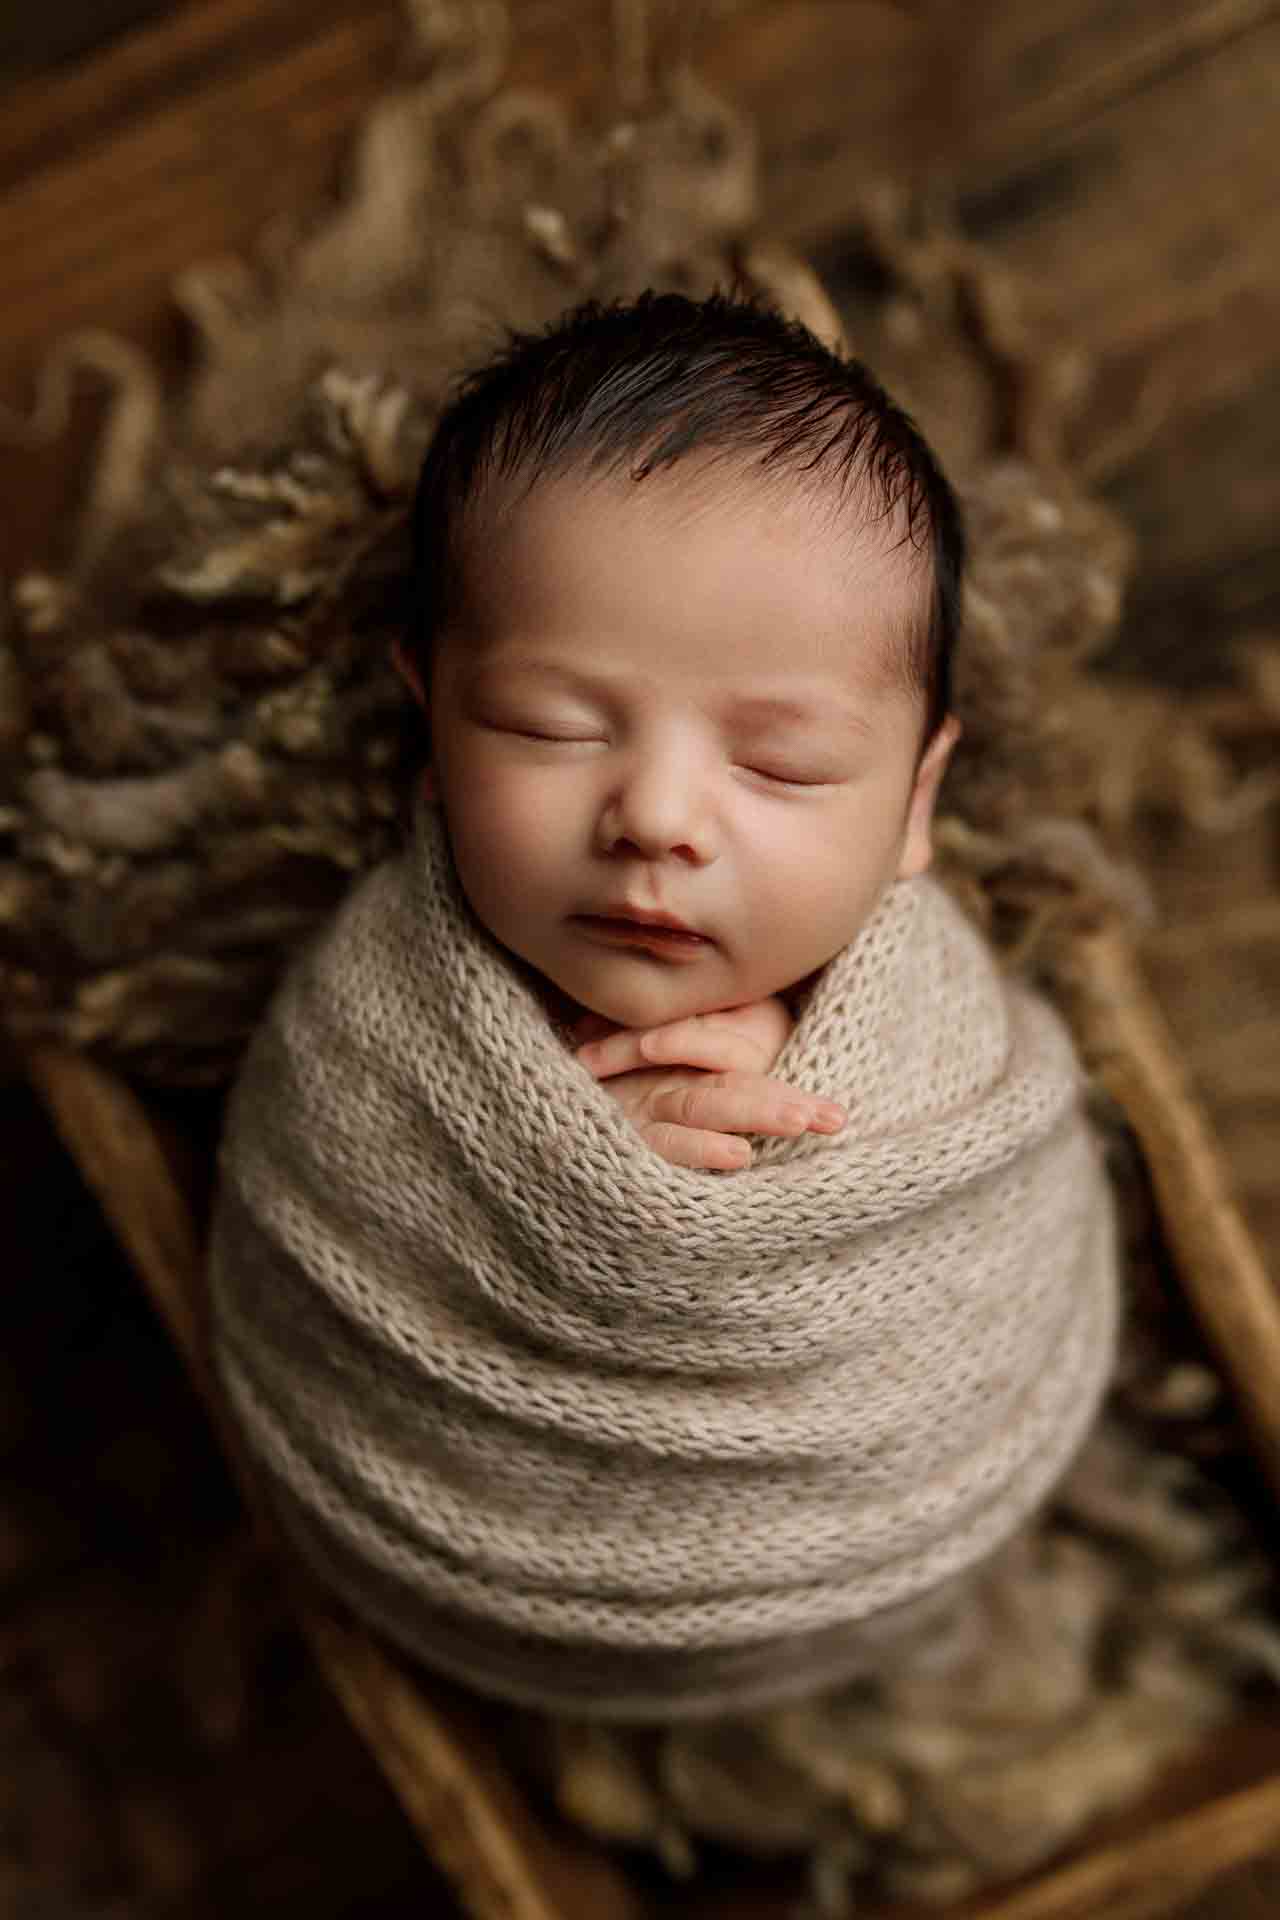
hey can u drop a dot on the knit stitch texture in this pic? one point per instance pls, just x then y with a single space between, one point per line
604 1435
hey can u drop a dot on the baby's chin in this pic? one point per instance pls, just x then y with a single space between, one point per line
637 990
633 998
642 1003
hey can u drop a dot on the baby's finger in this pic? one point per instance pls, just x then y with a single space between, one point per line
695 1146
696 1042
614 1053
746 1103
710 1041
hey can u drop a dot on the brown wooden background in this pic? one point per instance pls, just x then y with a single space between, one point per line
1123 158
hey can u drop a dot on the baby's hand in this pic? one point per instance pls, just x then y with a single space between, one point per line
738 1039
692 1118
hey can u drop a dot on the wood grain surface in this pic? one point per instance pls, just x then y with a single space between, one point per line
1123 159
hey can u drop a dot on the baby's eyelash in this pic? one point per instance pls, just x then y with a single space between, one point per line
785 779
554 739
588 739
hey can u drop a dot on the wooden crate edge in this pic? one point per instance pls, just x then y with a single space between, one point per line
501 1866
1128 1044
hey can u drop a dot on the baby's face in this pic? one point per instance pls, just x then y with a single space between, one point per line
671 698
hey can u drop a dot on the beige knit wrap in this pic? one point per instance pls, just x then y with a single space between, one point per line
601 1434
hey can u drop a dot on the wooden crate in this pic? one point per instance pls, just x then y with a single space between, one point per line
177 144
439 1748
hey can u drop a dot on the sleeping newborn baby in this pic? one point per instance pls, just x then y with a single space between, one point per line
659 1258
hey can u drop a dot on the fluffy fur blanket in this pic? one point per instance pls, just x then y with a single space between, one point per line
608 1436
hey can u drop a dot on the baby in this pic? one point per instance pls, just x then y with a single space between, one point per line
684 647
564 1416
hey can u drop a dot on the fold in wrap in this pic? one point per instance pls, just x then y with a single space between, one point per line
599 1434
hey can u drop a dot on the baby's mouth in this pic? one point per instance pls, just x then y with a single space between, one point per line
636 933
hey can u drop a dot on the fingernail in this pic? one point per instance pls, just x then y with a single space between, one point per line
828 1118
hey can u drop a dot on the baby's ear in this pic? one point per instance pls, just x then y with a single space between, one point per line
407 668
917 845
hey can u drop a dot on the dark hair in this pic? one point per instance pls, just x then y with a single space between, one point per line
640 385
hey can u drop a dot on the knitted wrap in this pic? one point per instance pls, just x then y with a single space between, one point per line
604 1435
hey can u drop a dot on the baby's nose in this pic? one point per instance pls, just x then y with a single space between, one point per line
660 808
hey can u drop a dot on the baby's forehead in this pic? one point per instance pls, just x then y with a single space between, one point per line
836 502
840 519
593 529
